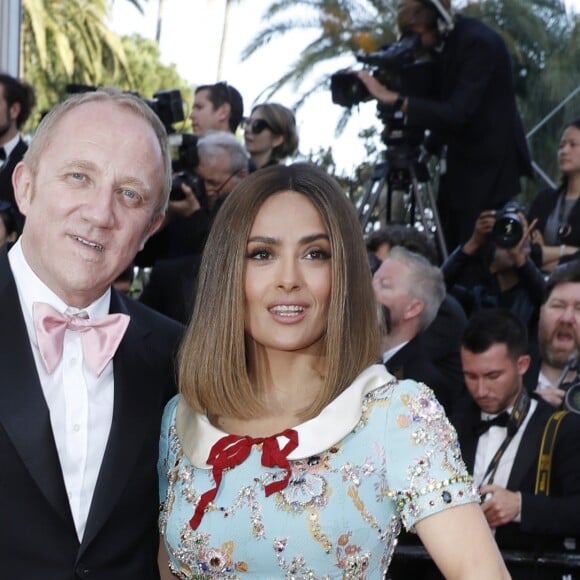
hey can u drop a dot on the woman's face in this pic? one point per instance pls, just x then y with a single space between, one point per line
569 151
287 279
258 135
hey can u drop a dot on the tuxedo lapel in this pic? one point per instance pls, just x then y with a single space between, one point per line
130 414
24 414
467 436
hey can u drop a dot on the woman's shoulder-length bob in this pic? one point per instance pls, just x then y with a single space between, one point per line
213 371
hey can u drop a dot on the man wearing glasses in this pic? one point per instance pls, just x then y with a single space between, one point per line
223 163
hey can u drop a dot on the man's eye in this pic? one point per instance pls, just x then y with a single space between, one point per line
129 194
76 175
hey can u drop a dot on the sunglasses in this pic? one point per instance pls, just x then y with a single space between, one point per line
257 126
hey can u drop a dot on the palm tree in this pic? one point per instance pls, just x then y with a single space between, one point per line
67 41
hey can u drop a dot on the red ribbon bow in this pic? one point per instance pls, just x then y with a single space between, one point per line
233 450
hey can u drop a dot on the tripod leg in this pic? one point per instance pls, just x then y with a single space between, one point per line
436 219
421 206
373 193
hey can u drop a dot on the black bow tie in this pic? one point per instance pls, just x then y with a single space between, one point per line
2 154
500 421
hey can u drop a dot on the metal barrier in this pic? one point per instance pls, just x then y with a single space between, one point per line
562 560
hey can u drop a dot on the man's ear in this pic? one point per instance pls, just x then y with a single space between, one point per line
524 362
155 225
14 111
22 182
224 112
413 309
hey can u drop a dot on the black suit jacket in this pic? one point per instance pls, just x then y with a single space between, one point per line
38 540
171 289
6 189
545 521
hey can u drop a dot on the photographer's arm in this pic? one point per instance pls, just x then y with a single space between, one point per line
379 91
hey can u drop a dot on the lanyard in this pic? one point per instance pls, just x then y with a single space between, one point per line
517 416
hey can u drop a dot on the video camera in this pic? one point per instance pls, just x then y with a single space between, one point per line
401 67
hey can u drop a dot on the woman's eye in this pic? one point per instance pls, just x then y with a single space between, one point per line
259 254
317 254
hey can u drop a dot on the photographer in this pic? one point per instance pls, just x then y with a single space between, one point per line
473 117
483 274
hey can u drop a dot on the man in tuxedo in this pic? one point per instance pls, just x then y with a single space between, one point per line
558 335
86 371
410 291
471 112
500 430
16 102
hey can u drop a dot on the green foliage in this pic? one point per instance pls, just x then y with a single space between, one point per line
68 41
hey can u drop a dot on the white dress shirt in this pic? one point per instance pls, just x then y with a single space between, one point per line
488 444
80 403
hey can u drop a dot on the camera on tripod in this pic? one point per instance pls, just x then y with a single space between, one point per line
400 66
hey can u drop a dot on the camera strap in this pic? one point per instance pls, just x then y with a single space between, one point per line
517 416
547 452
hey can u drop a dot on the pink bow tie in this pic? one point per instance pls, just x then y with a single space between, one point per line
99 338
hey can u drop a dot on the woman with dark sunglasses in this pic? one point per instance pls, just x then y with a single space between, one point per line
558 210
270 135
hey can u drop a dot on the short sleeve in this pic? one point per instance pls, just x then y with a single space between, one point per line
427 473
166 454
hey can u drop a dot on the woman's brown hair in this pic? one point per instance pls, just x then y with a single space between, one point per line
213 370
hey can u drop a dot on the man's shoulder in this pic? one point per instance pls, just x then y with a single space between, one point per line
147 317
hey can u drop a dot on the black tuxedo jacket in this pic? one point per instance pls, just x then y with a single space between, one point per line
6 189
171 289
38 540
546 520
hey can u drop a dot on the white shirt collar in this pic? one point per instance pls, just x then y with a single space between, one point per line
389 354
197 435
10 145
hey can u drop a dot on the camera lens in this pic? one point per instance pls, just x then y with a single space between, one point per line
572 399
508 230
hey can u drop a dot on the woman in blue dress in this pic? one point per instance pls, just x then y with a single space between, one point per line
289 453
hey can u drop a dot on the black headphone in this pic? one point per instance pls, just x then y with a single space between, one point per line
445 21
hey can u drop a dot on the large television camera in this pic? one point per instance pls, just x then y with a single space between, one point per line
403 68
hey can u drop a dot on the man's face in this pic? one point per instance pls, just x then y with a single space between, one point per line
204 117
429 38
93 202
391 288
493 377
8 116
217 176
559 327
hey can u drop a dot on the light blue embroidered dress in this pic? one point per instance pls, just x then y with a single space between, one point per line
381 454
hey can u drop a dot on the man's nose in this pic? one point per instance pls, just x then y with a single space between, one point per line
99 210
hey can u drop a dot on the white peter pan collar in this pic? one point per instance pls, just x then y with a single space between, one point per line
197 435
